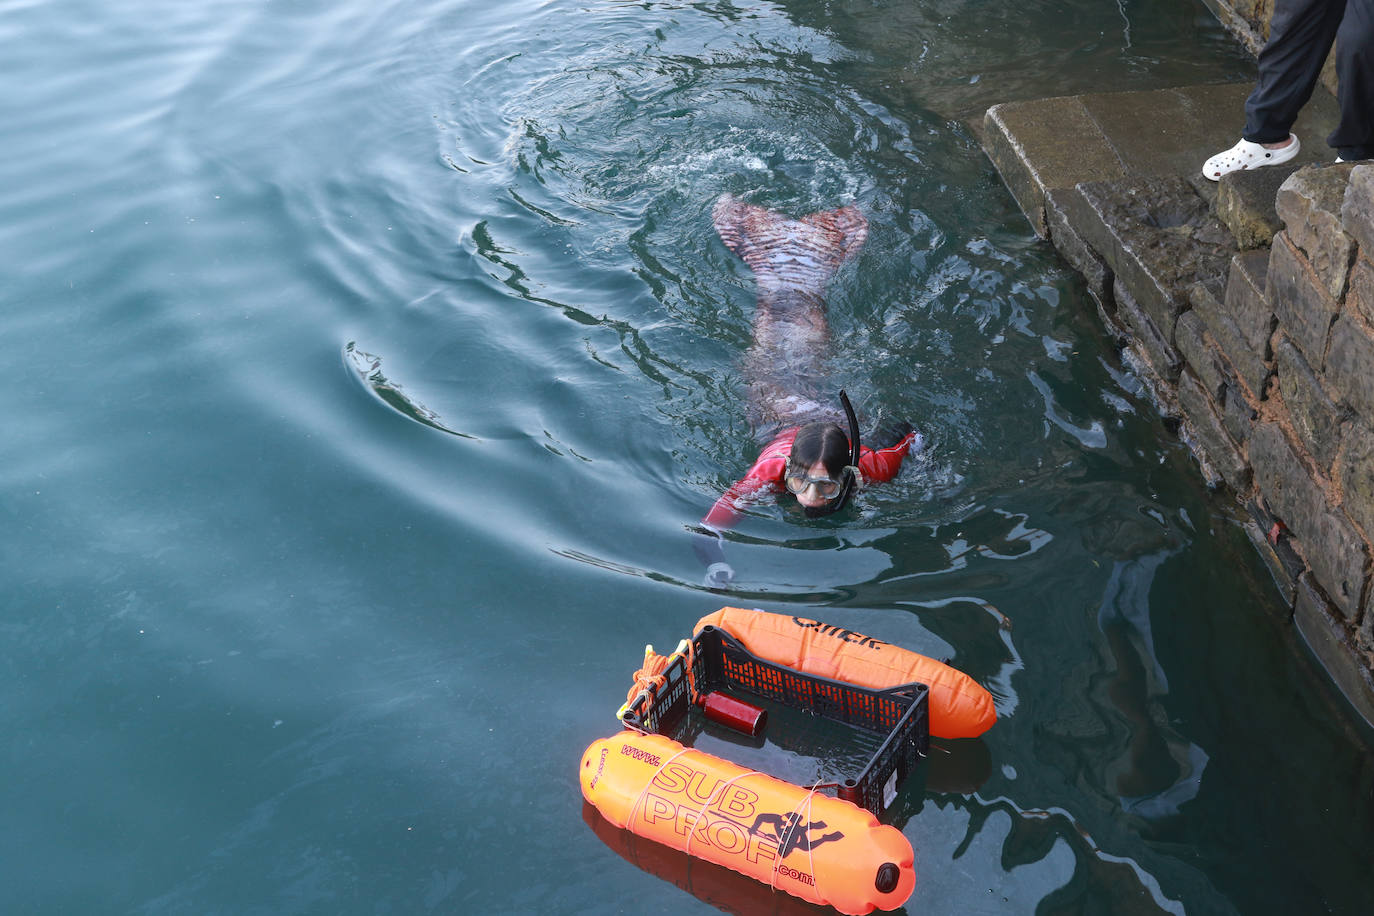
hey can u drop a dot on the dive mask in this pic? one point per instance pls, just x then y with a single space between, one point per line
797 482
839 490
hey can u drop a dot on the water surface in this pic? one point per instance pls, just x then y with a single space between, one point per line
369 364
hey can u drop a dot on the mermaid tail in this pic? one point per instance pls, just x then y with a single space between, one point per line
793 262
787 254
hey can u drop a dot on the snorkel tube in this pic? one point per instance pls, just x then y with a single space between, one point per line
851 471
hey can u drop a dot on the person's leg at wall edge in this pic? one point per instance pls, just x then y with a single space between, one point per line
1300 36
1354 138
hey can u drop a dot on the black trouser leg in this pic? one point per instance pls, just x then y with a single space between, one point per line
1300 36
1354 138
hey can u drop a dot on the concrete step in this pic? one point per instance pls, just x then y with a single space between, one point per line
1045 144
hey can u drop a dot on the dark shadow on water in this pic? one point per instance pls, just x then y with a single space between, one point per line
368 368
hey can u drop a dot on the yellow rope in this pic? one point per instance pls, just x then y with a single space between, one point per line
650 675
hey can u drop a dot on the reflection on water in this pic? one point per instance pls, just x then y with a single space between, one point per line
1158 771
286 638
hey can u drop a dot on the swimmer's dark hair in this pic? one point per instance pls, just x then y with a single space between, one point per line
824 442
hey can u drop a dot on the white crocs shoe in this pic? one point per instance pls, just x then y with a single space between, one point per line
1247 155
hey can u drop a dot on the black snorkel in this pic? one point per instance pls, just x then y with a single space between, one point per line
851 471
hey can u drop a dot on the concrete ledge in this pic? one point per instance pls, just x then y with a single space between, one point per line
1074 248
1045 144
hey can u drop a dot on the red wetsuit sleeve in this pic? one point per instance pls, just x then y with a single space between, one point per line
766 474
883 464
726 511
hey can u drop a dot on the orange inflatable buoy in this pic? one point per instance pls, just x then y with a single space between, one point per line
821 849
960 707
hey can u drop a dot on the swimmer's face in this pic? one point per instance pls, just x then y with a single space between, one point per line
817 487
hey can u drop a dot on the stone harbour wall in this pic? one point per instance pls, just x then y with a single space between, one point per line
1246 306
1261 349
1299 417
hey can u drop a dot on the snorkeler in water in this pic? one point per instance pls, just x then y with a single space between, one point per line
808 454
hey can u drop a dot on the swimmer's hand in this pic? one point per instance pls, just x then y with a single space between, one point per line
719 575
889 434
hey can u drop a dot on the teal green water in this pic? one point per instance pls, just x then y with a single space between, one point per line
369 364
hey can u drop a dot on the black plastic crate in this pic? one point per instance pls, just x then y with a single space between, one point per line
720 662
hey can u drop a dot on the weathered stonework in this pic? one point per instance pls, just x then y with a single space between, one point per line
1350 366
1315 417
1245 204
1329 542
1230 341
1309 204
1245 299
1357 210
1298 300
1361 296
1238 415
1248 21
1364 637
1357 475
1191 336
1260 346
1158 237
1209 434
